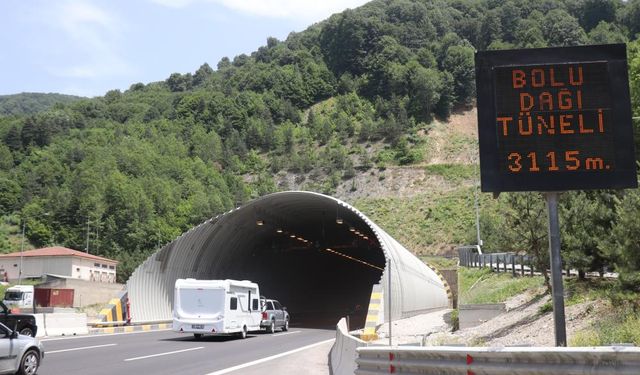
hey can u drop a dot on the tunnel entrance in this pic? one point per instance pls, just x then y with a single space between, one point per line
317 255
320 261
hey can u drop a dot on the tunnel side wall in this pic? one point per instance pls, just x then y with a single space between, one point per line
151 285
414 287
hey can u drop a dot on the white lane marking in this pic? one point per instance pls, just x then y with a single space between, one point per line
161 354
93 336
286 333
239 367
74 349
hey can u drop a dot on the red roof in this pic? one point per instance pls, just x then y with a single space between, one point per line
57 251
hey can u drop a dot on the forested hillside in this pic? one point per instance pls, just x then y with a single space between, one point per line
29 103
350 96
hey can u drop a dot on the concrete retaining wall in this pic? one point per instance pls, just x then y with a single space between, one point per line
343 353
61 324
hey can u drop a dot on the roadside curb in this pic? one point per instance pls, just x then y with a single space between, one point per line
127 329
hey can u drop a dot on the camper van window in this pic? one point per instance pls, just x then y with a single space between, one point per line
234 303
255 304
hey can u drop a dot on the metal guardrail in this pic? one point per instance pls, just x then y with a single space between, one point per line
512 263
615 360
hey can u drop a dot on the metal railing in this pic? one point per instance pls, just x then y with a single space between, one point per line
496 361
523 265
500 262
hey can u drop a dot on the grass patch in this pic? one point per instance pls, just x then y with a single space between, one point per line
452 172
579 291
440 263
484 286
621 326
425 223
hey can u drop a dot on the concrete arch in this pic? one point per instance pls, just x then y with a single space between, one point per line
318 255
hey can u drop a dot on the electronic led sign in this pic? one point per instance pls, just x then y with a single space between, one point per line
555 119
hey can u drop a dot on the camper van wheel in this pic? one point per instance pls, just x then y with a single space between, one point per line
243 334
197 336
285 327
272 327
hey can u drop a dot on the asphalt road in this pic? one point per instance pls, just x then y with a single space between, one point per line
167 352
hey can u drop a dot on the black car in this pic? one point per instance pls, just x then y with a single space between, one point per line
25 324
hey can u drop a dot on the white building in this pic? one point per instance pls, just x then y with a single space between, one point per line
57 261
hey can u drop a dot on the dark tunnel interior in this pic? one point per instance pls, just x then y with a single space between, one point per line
322 267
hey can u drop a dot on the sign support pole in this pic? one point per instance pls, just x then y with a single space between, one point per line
557 290
389 297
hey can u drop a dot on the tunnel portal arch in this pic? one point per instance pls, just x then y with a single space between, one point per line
316 254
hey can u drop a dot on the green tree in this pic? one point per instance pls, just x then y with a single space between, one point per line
529 34
460 63
630 17
490 30
586 219
592 12
520 226
425 86
561 29
606 33
624 242
6 158
9 194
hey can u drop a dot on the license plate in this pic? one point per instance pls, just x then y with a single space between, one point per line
197 326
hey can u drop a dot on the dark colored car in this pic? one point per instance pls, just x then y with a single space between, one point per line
274 316
25 324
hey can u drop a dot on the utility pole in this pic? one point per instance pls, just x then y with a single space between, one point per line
477 204
21 251
87 248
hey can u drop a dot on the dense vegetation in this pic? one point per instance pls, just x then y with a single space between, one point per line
137 168
31 103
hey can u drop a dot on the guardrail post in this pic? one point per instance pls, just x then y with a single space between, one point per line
513 265
498 263
491 262
521 265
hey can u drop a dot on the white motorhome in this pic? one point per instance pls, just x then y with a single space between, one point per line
20 296
216 307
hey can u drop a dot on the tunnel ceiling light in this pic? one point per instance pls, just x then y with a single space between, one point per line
353 259
279 230
292 235
259 222
352 229
339 220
